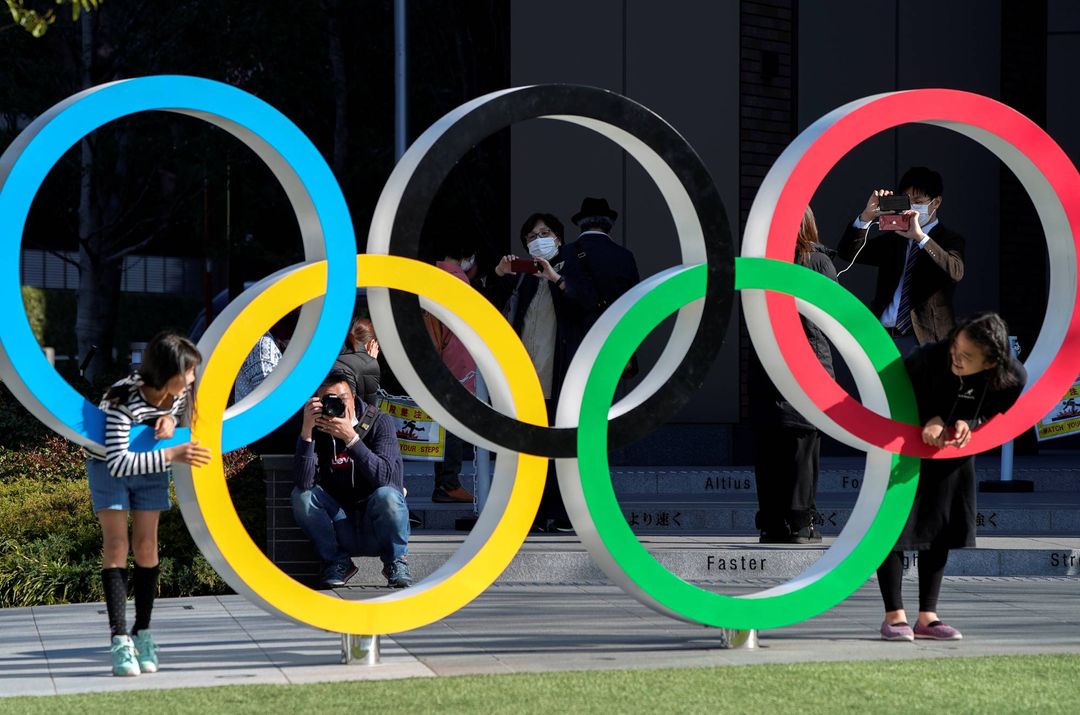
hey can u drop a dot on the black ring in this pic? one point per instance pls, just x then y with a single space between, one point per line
500 112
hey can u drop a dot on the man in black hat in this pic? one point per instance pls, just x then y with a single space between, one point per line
595 272
608 269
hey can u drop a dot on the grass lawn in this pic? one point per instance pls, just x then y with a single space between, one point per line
1042 684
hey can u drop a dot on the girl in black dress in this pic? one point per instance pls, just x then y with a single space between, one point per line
959 384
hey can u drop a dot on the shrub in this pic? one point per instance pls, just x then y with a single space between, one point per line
17 426
47 571
50 540
54 459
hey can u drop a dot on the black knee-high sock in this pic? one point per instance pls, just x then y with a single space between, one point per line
146 580
115 583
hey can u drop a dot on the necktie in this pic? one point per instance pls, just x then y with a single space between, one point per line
903 311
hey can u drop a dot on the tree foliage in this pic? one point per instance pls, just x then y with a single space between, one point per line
37 23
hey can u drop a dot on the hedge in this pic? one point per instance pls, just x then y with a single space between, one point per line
50 540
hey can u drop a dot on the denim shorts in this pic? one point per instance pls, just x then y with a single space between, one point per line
143 492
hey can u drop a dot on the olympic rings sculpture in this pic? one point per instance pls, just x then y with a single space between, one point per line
700 291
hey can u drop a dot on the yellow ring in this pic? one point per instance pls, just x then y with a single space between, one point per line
442 593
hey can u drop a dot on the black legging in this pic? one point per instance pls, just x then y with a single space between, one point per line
931 569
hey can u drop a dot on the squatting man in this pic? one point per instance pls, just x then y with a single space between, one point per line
348 493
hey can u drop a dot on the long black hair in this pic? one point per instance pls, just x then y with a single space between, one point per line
167 355
991 334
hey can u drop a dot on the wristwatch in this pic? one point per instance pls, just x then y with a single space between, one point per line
559 282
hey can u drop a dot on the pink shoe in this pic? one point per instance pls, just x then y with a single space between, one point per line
896 632
938 631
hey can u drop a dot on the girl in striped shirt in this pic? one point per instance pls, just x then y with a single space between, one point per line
121 480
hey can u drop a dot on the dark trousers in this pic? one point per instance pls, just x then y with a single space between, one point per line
786 461
931 566
380 527
448 471
551 503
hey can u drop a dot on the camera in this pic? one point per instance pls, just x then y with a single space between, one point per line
333 406
889 219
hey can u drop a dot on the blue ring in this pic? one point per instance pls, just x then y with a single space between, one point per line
57 130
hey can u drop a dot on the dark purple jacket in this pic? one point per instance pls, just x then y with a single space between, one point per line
376 462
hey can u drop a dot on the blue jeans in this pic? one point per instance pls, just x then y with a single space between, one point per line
379 527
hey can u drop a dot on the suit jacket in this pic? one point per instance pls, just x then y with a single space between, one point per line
597 271
937 270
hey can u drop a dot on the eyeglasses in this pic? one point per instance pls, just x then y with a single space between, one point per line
542 233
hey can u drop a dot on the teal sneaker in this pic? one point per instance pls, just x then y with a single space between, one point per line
123 657
146 651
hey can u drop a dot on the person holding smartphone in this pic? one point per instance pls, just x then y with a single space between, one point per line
531 292
918 266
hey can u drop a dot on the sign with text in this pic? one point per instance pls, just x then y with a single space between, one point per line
1064 420
420 437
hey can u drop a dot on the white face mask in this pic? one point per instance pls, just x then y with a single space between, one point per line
468 263
543 247
924 212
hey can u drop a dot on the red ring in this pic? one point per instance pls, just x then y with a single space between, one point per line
886 112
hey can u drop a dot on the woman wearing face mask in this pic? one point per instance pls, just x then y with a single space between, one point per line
532 300
959 383
534 304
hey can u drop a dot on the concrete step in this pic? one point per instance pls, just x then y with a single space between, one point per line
562 559
1049 473
1037 513
735 480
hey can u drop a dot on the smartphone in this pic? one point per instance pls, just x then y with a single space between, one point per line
895 202
894 222
523 265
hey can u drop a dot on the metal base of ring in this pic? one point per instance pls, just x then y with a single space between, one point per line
732 638
359 650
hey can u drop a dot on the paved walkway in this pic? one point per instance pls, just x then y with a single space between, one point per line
515 628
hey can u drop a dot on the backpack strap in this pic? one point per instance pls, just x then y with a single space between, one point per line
367 421
601 302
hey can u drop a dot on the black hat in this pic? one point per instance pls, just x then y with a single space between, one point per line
594 207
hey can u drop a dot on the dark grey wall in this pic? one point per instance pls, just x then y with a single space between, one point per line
850 49
1062 98
680 59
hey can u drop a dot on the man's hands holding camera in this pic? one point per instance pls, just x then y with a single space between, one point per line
873 211
315 418
873 204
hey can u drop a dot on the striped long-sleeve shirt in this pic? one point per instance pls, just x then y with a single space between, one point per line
119 418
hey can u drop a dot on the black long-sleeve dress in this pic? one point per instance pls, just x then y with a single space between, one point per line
943 515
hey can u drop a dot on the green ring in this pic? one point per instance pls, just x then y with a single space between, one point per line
668 590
